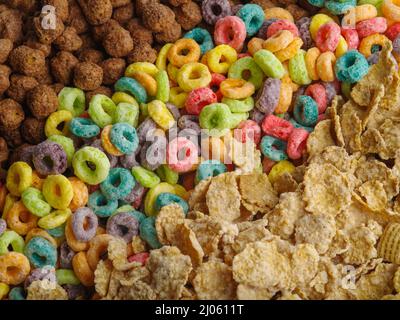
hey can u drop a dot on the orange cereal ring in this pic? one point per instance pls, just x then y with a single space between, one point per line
290 51
106 142
278 13
325 65
310 58
236 88
254 45
3 195
147 81
285 95
20 219
37 232
82 269
98 247
184 51
81 194
278 41
72 242
367 43
14 268
37 180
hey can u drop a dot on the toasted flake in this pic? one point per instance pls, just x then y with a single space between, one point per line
118 254
285 183
374 194
138 245
361 246
320 138
102 276
304 263
390 131
185 239
167 221
46 290
246 292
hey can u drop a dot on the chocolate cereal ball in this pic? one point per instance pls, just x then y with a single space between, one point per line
42 101
157 17
76 19
141 4
100 90
96 11
188 15
124 14
6 46
62 8
3 150
171 34
118 43
91 55
113 69
27 6
33 42
11 25
4 78
13 137
19 87
28 61
142 52
297 12
47 35
119 3
57 87
32 130
138 32
62 67
11 115
88 76
177 3
69 40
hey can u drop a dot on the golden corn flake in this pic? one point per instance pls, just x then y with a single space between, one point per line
332 113
320 138
139 290
102 276
285 183
214 281
372 108
118 254
46 290
361 242
389 244
396 280
223 198
373 142
334 155
198 194
166 222
255 232
246 292
185 239
326 189
138 245
304 263
390 131
128 278
351 126
374 194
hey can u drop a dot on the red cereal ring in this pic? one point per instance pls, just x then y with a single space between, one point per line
318 93
328 36
297 143
243 55
139 257
216 79
282 25
230 30
248 129
277 127
351 37
182 154
368 27
198 98
393 31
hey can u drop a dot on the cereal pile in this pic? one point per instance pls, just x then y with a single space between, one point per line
253 154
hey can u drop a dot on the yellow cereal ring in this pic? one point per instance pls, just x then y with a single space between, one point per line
147 81
367 43
146 67
310 58
279 168
119 96
37 181
82 269
290 51
221 58
161 61
254 45
20 219
4 289
285 95
54 219
341 48
194 75
389 244
81 194
8 203
177 96
152 194
172 72
14 268
107 144
317 21
58 192
237 88
278 41
278 13
160 114
19 177
325 66
61 117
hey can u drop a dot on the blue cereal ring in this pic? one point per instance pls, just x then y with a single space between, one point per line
41 252
124 137
273 148
118 184
83 128
209 168
351 67
131 86
148 232
202 37
57 232
299 126
253 17
317 3
139 216
17 293
339 7
167 198
306 111
102 206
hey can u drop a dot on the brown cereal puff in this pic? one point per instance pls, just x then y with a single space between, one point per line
138 32
100 31
297 12
13 137
45 76
32 130
142 52
119 3
87 41
42 100
265 4
141 4
118 43
62 8
62 67
11 25
100 90
11 114
19 87
88 76
188 15
76 18
69 40
4 78
3 150
91 55
27 61
157 17
285 2
33 42
48 35
113 69
96 11
27 6
124 14
172 34
177 3
57 87
6 46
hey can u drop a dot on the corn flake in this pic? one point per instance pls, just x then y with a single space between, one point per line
167 220
46 290
320 138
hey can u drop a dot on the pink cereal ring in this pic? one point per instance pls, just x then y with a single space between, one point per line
351 37
230 30
216 79
282 25
139 257
277 127
318 93
243 55
297 143
248 129
368 27
182 154
393 31
198 98
328 36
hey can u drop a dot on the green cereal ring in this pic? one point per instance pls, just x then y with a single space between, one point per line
127 112
166 174
35 202
144 110
17 294
247 64
58 191
236 118
242 105
133 87
102 110
298 70
146 178
66 276
73 100
57 232
215 116
11 238
162 86
91 165
270 64
67 144
148 232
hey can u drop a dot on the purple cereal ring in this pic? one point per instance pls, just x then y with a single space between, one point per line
113 159
174 110
128 161
49 158
189 121
45 273
262 33
213 10
257 116
3 226
136 193
66 255
268 96
147 125
236 8
153 154
123 225
304 30
330 91
84 224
